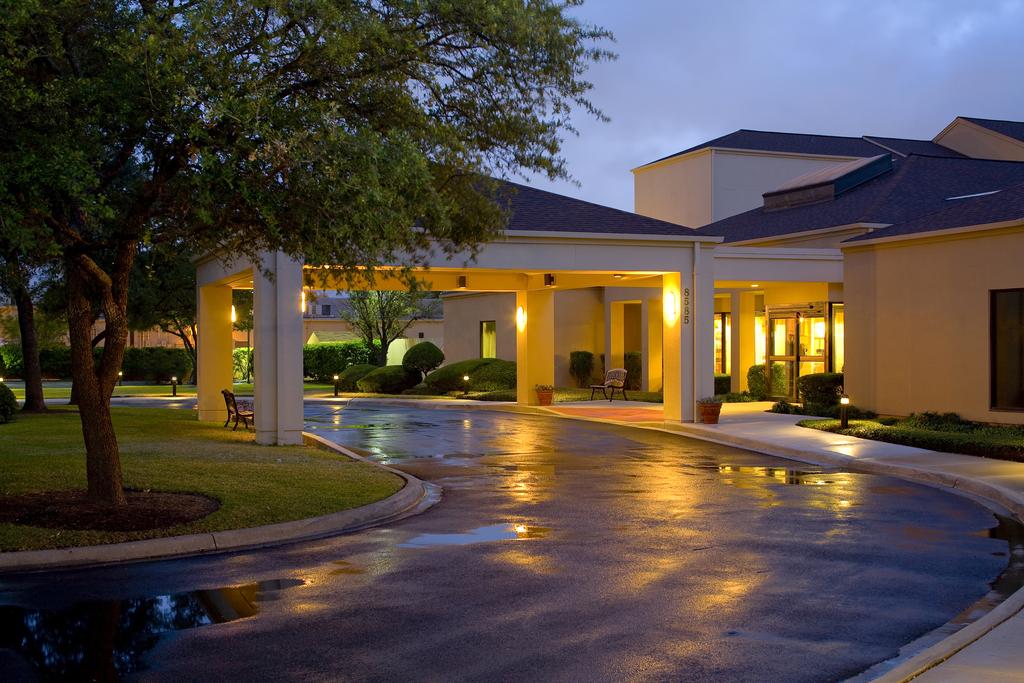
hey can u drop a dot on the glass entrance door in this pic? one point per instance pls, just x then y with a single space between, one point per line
797 345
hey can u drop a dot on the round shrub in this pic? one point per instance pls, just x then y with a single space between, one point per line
449 377
581 367
8 404
757 381
391 379
821 388
495 376
348 378
423 358
723 384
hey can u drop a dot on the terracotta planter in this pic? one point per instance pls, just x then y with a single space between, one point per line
709 412
544 397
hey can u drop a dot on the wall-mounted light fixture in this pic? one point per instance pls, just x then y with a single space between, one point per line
462 282
302 304
670 305
549 279
520 318
234 314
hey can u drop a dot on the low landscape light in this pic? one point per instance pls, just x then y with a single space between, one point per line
174 386
844 402
465 384
336 378
120 376
1 380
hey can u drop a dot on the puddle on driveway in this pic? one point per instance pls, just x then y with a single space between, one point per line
104 640
484 534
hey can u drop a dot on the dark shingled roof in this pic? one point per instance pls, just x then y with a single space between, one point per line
917 186
1003 205
906 147
1011 129
543 211
794 143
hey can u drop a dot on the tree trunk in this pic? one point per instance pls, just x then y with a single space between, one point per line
33 371
94 385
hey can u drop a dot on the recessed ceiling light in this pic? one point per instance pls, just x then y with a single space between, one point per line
755 285
618 276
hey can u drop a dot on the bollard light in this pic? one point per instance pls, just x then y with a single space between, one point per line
1 380
465 381
844 401
174 386
336 378
120 377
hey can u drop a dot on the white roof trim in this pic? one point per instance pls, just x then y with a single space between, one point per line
945 232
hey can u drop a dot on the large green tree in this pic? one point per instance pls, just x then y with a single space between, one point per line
343 132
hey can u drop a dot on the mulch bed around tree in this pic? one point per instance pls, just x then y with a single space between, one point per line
72 510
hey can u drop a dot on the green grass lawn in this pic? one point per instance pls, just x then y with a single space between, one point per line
170 450
57 390
946 433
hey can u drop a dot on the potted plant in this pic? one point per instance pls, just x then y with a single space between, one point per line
544 393
710 408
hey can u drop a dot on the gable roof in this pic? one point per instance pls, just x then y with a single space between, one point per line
989 207
1011 129
917 186
537 210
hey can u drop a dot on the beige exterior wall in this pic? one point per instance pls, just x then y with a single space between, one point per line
918 322
579 326
740 178
462 316
978 142
676 190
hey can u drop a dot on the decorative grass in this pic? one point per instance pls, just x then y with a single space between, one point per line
169 450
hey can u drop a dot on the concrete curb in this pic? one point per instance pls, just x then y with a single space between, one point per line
412 495
1007 498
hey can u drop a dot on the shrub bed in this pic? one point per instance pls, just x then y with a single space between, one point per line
321 362
8 404
348 378
757 381
498 375
943 434
155 364
449 377
821 389
391 379
423 358
633 363
581 367
723 384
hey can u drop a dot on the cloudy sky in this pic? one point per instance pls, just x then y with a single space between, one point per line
689 71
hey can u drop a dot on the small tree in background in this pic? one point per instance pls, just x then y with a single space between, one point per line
382 317
241 300
423 358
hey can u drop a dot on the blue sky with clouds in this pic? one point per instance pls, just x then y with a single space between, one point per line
690 71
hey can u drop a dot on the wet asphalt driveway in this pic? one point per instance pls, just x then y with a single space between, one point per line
561 550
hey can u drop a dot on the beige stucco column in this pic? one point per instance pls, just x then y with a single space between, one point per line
688 344
535 343
703 303
213 354
614 335
277 362
652 342
743 350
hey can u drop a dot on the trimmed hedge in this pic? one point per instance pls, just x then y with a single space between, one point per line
321 362
495 376
820 389
581 367
148 363
8 404
723 384
423 358
757 381
449 377
632 361
350 376
390 379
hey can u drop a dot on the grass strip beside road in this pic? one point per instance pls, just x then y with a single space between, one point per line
1003 443
169 450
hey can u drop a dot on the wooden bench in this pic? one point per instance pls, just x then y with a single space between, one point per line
614 379
239 413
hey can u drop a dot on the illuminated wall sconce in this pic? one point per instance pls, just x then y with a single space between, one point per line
520 318
671 307
234 314
462 282
549 280
302 305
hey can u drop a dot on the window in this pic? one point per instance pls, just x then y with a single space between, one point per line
488 339
325 309
1008 349
838 354
723 332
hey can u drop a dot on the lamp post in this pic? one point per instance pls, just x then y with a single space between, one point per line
120 377
465 385
174 386
336 378
844 402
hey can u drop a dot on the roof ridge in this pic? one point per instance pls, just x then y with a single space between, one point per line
634 214
982 118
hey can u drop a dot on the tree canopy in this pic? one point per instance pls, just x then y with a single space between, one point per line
348 133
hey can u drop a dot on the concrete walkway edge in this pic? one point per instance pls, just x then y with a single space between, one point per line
413 494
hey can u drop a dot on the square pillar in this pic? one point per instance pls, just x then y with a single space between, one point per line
614 335
677 347
535 343
213 352
277 362
744 352
652 337
703 307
